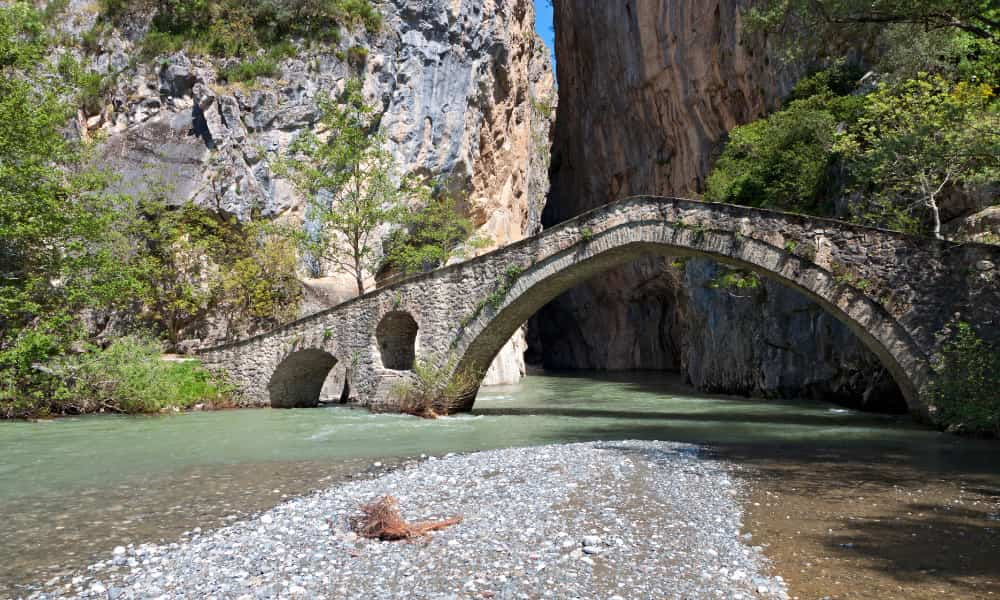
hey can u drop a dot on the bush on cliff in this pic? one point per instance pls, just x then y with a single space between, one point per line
881 149
966 395
235 28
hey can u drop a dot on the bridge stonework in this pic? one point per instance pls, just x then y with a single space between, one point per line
896 292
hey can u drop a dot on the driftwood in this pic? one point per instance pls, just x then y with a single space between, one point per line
380 519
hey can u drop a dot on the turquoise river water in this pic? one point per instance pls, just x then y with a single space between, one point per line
73 488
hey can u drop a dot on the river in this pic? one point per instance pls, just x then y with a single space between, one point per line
71 489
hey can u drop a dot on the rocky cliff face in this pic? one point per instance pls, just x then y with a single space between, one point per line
648 90
459 84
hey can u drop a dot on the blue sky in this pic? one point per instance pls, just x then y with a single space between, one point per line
543 23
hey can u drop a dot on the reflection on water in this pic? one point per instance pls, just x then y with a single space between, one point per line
72 489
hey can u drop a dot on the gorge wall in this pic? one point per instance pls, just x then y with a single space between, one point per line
463 87
647 91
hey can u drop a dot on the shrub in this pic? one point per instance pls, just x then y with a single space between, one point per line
735 280
130 376
234 28
435 390
780 162
92 88
964 395
248 71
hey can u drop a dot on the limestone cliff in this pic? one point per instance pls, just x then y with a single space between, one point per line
647 91
458 84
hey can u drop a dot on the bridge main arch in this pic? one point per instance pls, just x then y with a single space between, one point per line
537 284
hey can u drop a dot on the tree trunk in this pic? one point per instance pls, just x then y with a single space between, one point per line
359 277
937 217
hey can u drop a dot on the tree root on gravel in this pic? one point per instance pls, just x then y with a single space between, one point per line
380 519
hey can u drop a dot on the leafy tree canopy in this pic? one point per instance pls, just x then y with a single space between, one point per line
235 28
913 140
349 180
818 20
431 236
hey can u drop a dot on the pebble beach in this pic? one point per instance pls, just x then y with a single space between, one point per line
602 520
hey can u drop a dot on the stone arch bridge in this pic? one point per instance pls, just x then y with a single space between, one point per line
895 292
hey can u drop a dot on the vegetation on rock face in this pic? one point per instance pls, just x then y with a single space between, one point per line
810 24
964 396
350 179
880 151
234 28
430 237
76 257
198 263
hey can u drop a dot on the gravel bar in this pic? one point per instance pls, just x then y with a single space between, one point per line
606 520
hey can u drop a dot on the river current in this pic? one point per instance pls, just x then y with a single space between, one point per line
72 489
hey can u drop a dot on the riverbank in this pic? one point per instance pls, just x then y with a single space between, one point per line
600 519
843 523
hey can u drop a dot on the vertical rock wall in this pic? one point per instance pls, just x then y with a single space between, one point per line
647 91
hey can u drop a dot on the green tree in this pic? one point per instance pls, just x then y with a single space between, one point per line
61 235
184 282
260 286
348 178
431 236
964 394
64 243
810 23
780 162
199 264
915 139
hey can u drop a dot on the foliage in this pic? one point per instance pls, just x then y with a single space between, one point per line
735 280
264 64
809 25
22 36
128 376
506 283
348 178
964 395
63 237
260 284
543 106
234 28
911 50
430 236
914 139
781 162
436 389
199 263
878 156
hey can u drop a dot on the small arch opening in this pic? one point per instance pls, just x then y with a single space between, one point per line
337 387
396 336
298 380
